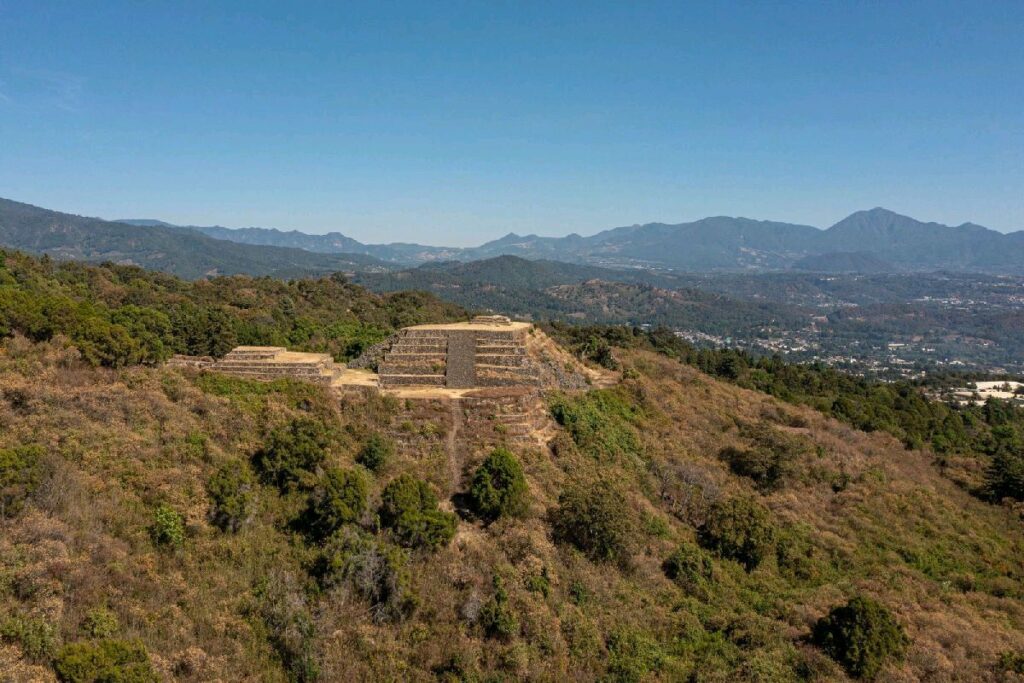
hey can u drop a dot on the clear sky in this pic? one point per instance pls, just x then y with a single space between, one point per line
453 123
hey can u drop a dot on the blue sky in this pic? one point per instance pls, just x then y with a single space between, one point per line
453 123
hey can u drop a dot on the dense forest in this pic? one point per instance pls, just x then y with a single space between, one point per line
123 315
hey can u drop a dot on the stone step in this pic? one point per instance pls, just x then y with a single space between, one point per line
505 361
413 380
386 368
416 358
272 367
422 334
419 348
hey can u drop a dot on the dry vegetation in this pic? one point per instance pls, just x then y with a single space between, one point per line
853 513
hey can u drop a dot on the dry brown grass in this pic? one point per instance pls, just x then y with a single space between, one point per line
947 564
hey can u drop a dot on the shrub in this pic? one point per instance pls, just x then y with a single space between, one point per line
168 528
106 661
376 452
1012 661
739 529
499 487
409 509
861 635
293 453
595 517
690 567
601 422
100 623
633 656
496 617
339 498
291 630
377 571
232 491
21 472
36 638
771 459
1005 476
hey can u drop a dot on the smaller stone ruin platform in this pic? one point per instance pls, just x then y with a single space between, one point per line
267 363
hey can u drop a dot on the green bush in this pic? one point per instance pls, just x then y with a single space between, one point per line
36 638
498 488
770 460
232 490
690 567
739 529
1005 475
100 623
595 517
104 661
293 453
861 635
601 422
633 656
168 528
376 452
377 571
1012 661
338 498
496 616
21 472
409 509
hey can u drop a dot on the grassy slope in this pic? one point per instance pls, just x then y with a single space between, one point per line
120 442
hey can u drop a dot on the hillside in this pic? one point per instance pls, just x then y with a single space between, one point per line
95 554
190 526
547 290
183 252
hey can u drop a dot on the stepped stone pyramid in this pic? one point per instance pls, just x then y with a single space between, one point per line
489 351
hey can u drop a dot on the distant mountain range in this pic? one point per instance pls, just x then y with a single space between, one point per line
180 251
877 240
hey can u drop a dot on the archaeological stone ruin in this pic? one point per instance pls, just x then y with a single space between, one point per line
486 352
477 378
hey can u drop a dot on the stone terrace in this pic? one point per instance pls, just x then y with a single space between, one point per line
487 352
268 363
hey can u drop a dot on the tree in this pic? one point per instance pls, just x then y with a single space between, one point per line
409 509
339 498
1004 477
739 529
499 487
292 453
595 517
376 570
861 635
232 490
376 452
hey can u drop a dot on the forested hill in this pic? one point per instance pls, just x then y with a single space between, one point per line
711 517
183 252
122 315
551 290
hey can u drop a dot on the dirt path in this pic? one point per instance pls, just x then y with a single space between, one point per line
454 460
